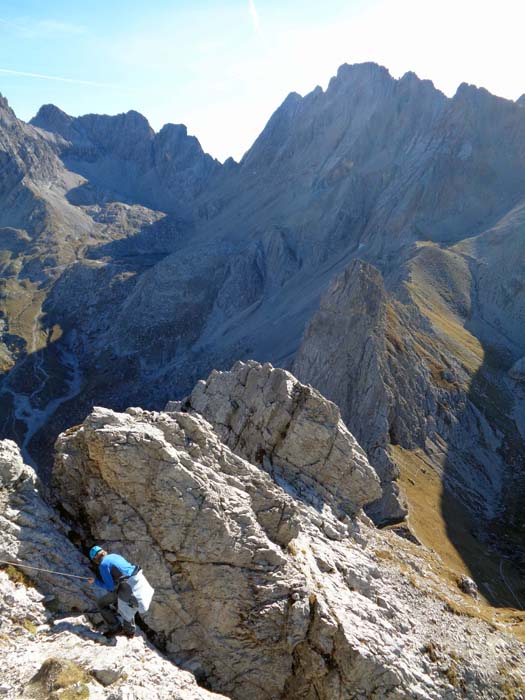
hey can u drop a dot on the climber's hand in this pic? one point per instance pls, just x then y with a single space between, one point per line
91 580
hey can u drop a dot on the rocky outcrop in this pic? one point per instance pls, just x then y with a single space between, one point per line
344 354
261 592
33 534
45 656
222 541
268 417
48 647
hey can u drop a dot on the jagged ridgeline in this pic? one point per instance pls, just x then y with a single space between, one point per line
371 240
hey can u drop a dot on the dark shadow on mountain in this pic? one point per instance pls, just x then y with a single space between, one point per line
89 194
483 497
150 244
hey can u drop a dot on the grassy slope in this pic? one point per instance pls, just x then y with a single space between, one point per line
437 293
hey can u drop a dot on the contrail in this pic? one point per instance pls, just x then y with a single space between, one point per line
255 17
55 77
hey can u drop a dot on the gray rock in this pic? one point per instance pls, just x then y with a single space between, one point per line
260 591
517 371
268 417
31 662
34 534
467 585
107 676
11 463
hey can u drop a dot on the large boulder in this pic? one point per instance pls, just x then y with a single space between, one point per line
269 418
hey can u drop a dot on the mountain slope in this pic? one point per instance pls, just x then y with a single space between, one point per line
232 262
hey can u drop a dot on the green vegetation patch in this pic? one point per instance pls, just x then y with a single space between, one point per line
29 626
59 679
17 576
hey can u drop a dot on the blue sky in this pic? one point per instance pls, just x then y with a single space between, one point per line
222 68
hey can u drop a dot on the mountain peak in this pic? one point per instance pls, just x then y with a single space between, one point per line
52 118
174 130
471 91
6 113
360 72
367 69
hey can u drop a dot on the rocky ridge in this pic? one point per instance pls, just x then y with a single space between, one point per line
123 155
269 584
264 590
266 416
428 190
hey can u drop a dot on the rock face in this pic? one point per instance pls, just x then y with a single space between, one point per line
34 534
344 353
44 652
268 417
261 592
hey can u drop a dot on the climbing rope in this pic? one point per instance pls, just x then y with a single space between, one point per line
48 571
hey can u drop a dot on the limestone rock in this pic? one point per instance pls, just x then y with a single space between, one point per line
108 676
266 416
467 585
43 656
214 560
11 463
34 534
260 591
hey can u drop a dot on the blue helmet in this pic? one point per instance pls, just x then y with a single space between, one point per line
94 551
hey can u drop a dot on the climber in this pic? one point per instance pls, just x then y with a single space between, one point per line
128 591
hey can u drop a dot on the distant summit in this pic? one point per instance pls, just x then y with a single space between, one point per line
123 154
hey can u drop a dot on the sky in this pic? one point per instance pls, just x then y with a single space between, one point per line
223 67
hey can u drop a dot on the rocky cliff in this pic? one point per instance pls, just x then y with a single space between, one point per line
266 587
122 155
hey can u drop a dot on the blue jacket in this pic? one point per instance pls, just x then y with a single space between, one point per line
111 570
